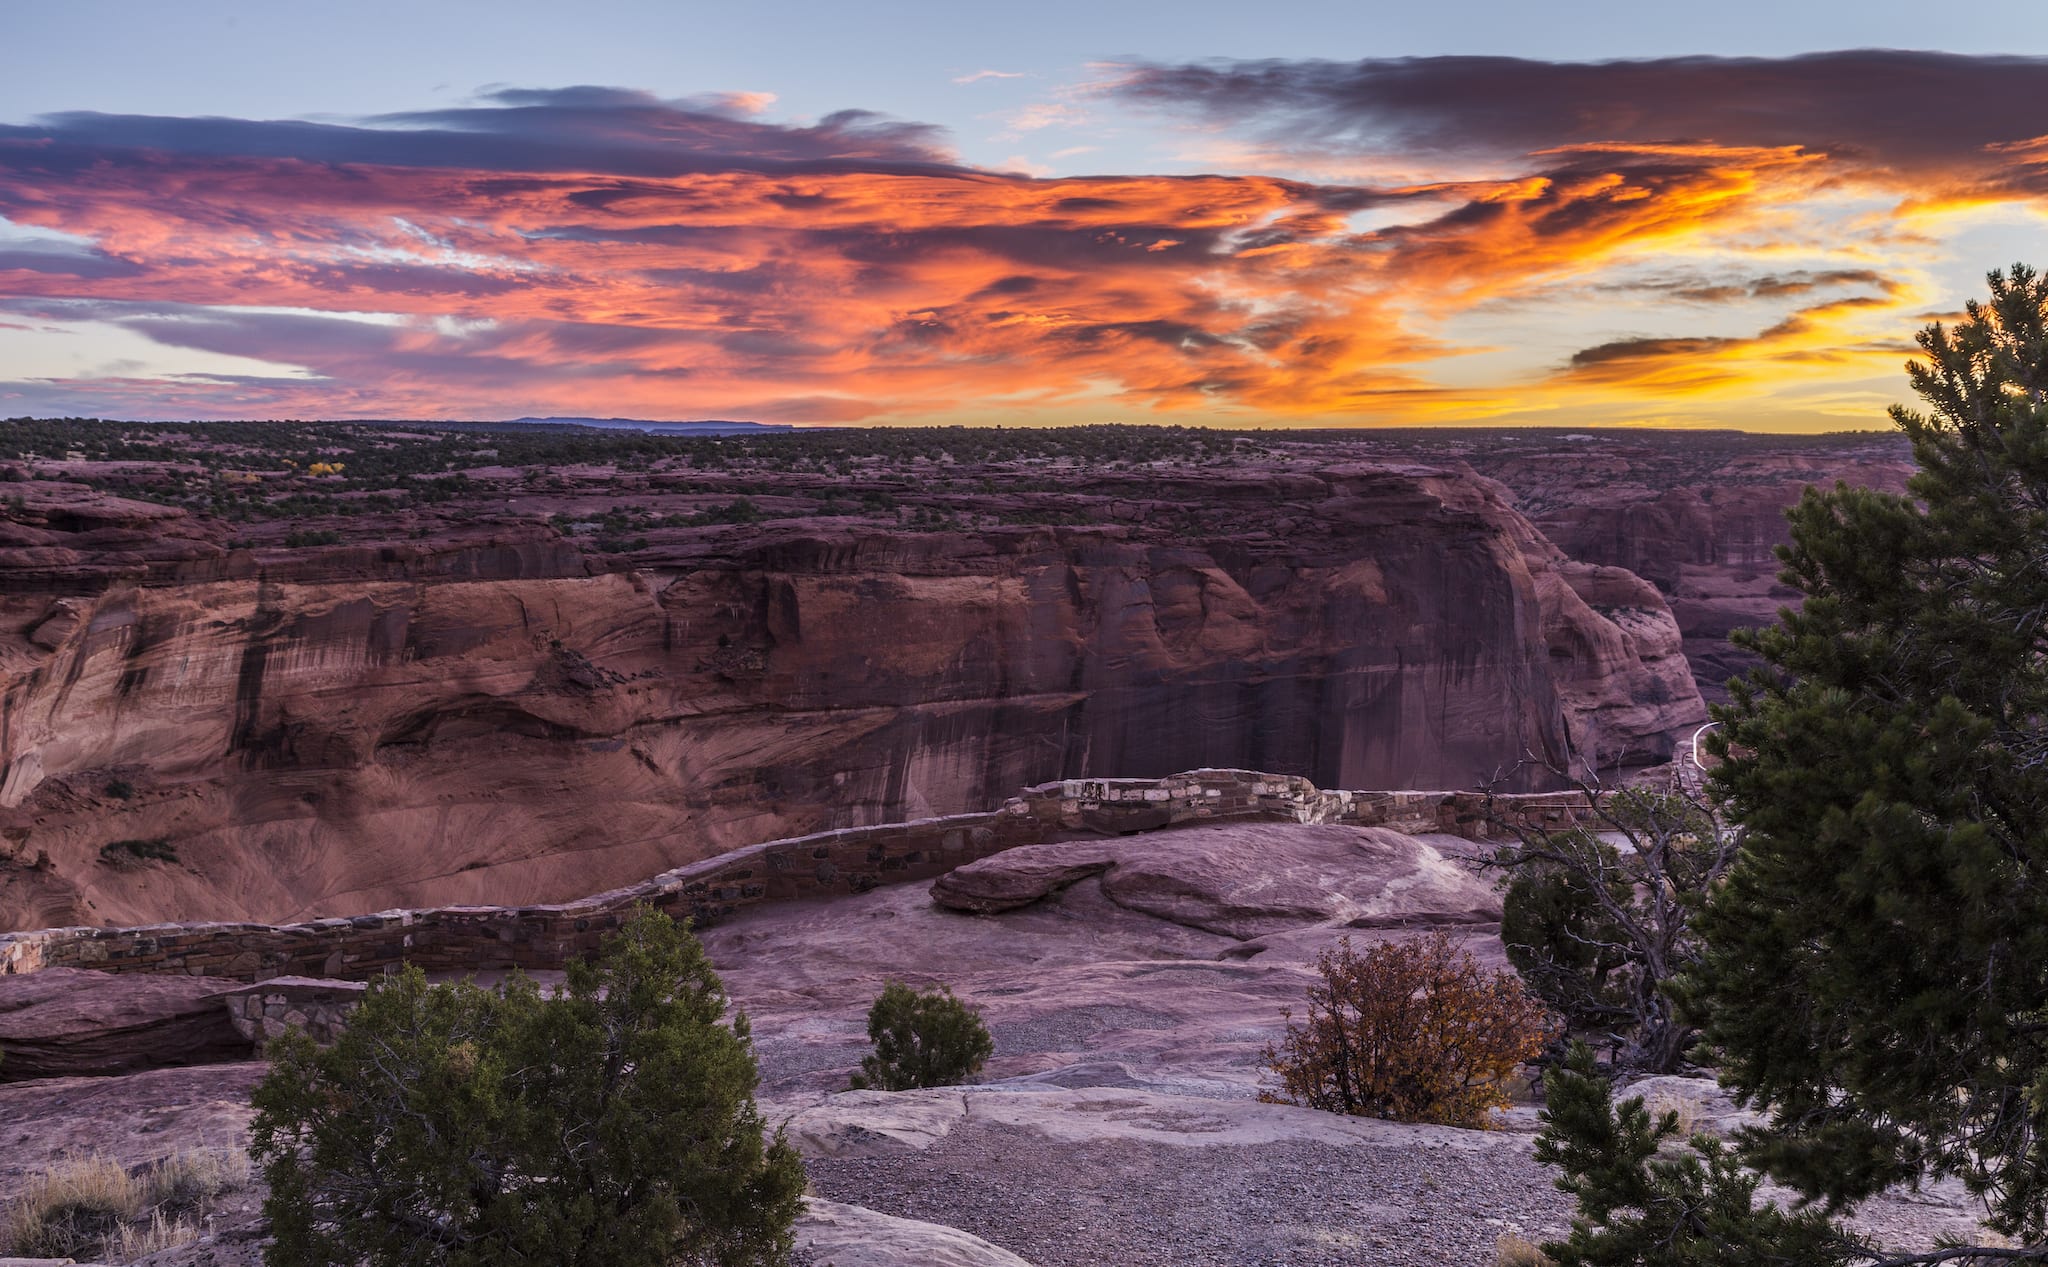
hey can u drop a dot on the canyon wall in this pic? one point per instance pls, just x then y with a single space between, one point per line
457 940
1699 516
495 716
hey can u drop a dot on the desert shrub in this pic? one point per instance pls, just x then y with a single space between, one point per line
121 789
1512 1249
928 1039
1599 932
1415 1031
611 1125
161 1232
186 1180
72 1211
128 852
90 1206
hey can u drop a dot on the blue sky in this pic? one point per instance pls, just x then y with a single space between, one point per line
292 59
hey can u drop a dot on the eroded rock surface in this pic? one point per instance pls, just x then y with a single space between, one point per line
276 734
1118 1120
1697 515
66 1022
838 1235
135 1119
1243 880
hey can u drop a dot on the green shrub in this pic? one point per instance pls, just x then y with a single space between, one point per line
128 852
611 1124
1639 1207
928 1039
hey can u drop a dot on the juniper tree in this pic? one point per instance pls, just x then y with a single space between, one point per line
1876 965
612 1125
922 1039
1598 913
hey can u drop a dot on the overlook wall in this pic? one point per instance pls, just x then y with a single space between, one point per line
453 939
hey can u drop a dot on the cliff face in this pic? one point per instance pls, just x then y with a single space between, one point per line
1697 515
494 718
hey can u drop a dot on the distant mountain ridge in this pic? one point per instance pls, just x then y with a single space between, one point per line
708 427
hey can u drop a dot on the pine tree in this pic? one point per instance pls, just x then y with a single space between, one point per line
1876 965
1641 1208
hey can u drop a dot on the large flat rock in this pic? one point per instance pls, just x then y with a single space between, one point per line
135 1118
66 1022
1242 880
1164 967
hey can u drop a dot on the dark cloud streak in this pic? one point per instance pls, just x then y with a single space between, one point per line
1912 109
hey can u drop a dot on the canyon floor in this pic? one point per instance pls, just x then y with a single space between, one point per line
1118 1120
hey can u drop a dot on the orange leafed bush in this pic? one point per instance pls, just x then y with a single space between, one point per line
1414 1030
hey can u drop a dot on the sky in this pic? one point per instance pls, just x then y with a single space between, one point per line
1317 214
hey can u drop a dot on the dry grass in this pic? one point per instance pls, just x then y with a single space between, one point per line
70 1211
188 1179
1510 1249
161 1232
90 1206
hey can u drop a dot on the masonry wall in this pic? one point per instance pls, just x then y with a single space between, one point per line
463 939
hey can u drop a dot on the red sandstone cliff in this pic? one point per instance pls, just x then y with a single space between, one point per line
494 716
1699 515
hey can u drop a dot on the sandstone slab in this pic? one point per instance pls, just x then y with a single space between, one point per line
67 1022
135 1118
1242 880
840 1235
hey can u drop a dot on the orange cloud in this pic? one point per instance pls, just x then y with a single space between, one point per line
596 251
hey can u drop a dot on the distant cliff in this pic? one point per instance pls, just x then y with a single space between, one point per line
494 716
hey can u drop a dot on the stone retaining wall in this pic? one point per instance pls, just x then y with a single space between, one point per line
319 1009
457 939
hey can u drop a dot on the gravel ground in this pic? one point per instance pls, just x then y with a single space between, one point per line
1075 1028
1298 1204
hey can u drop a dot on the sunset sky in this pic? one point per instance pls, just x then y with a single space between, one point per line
1301 215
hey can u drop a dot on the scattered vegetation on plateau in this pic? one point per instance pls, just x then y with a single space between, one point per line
133 852
922 1039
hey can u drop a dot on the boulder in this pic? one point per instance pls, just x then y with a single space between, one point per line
67 1022
1021 876
1242 880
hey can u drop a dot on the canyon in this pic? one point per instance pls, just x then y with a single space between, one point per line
469 710
520 680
